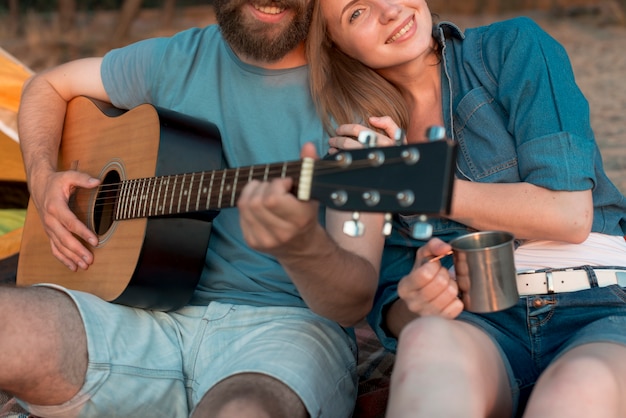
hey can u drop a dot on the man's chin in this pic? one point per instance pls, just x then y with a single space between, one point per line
262 37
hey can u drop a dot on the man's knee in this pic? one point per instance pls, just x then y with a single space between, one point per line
43 343
250 395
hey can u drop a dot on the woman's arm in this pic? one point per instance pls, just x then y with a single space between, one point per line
525 210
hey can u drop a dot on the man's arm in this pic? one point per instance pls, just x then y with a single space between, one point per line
40 123
335 274
339 277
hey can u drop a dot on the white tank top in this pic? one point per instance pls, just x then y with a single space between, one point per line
596 250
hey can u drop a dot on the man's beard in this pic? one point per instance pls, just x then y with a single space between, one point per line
260 41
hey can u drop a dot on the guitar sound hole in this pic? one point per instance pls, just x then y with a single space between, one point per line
104 210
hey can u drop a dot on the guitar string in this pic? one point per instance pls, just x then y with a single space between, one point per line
270 171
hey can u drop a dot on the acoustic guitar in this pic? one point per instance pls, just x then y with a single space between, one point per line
163 182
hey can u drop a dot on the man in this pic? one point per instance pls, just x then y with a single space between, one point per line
263 334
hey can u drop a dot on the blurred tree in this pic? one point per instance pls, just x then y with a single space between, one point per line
67 15
169 10
130 10
15 26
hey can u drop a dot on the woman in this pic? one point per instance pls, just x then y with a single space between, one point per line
528 164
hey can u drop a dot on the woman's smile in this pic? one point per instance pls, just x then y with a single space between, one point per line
406 27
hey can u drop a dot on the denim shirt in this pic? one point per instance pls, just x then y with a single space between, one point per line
511 103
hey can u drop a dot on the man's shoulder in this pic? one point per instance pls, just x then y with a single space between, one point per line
206 34
192 46
182 44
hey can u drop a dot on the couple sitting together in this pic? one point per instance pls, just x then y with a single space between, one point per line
267 330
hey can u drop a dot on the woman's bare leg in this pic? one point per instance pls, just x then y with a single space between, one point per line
446 368
587 381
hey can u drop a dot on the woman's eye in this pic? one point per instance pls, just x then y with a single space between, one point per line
355 14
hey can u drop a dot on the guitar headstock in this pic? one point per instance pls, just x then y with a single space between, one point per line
416 178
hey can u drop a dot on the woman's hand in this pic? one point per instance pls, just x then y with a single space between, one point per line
348 134
429 289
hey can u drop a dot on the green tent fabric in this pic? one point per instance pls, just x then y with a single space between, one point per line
12 219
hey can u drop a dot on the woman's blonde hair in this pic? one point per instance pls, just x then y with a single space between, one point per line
344 90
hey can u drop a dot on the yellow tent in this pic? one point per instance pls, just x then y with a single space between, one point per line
12 176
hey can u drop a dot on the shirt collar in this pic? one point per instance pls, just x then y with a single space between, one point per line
443 30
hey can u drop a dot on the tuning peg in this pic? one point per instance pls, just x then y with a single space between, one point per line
435 132
371 198
422 230
399 136
387 226
368 138
344 159
376 158
354 227
339 197
411 155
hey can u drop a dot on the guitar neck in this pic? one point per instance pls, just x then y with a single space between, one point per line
199 191
411 178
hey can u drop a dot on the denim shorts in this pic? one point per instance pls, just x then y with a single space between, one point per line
532 334
155 364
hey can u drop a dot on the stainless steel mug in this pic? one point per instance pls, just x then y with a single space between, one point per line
485 270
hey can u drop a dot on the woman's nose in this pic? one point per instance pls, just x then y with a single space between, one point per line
390 10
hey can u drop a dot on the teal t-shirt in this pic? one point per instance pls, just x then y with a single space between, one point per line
263 116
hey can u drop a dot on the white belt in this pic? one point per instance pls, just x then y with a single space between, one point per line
567 280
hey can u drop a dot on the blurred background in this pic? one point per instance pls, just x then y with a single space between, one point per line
43 33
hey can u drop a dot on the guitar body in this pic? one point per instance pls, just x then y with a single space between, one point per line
149 262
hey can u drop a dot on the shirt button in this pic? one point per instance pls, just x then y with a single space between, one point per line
538 302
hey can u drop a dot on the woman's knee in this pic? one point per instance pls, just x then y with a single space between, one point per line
439 333
591 363
588 380
427 330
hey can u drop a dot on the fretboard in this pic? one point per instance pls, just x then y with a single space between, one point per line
195 192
